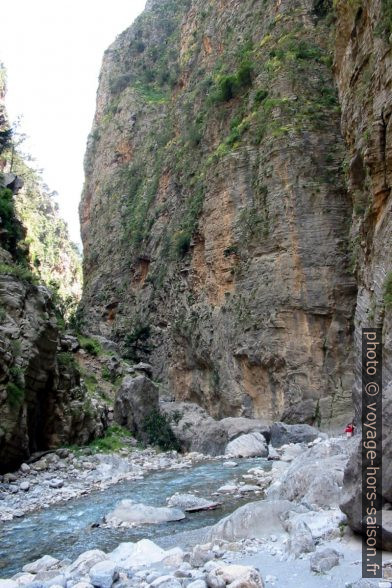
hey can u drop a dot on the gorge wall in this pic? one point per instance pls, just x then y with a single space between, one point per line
236 210
43 403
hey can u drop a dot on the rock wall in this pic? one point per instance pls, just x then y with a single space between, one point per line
363 69
215 216
43 403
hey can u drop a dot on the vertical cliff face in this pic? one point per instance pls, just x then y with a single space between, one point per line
215 217
363 68
42 401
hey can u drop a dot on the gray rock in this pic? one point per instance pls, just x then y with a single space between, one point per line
315 476
189 502
42 564
197 431
136 399
51 578
214 581
256 519
56 483
300 540
249 445
201 554
324 560
282 434
103 574
83 564
25 468
8 584
143 367
197 584
128 512
25 486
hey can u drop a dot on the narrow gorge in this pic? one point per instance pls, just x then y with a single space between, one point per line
237 236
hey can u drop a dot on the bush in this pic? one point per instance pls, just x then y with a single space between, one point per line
260 95
388 291
244 74
67 359
385 25
115 438
137 341
232 85
181 243
11 229
18 271
90 345
5 139
15 395
159 432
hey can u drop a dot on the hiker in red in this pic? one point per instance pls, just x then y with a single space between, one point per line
349 430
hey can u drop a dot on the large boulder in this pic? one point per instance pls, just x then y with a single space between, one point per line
316 475
249 445
190 502
130 513
300 538
144 552
196 430
256 519
103 574
136 399
323 561
236 576
282 434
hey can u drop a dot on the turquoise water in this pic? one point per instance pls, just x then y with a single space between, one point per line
64 531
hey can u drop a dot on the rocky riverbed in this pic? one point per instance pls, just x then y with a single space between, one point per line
295 536
64 475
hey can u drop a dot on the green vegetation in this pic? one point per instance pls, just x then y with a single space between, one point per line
90 345
228 86
67 359
182 238
388 291
115 439
11 228
137 342
18 271
159 432
15 395
322 8
385 25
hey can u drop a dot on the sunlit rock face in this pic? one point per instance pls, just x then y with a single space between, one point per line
216 214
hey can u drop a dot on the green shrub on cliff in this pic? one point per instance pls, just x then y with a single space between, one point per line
18 271
136 342
230 86
385 24
11 230
15 395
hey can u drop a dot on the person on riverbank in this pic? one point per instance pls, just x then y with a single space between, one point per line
349 430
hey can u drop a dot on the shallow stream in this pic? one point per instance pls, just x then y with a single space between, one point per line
64 531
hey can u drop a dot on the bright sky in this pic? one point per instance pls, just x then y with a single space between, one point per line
52 50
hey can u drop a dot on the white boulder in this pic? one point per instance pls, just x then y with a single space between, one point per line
249 445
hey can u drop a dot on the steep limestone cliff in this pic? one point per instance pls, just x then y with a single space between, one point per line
215 217
363 67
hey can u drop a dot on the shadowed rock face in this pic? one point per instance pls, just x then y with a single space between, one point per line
363 67
215 168
42 405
